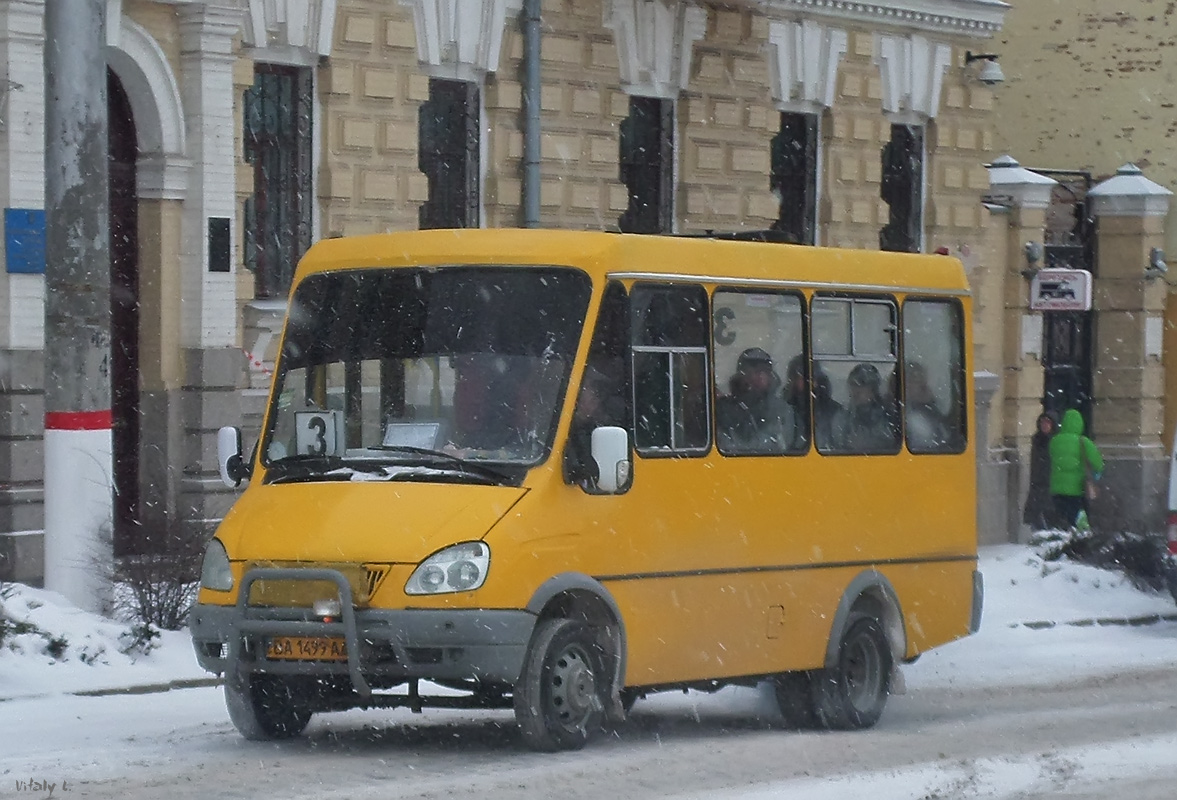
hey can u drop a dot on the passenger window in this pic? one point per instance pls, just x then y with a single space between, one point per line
761 379
855 383
934 407
670 380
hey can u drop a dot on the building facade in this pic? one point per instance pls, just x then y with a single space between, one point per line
1085 106
244 130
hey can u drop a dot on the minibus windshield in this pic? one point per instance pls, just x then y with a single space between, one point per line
446 368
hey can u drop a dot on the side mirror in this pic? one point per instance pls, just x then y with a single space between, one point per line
232 466
610 449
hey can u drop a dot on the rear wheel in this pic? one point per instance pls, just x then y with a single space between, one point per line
852 693
559 698
266 707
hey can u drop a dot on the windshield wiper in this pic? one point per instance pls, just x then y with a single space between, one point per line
464 464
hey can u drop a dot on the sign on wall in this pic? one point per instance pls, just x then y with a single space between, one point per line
1061 290
24 240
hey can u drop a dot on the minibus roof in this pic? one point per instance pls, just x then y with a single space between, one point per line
601 254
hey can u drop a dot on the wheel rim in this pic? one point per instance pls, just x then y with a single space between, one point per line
572 688
863 670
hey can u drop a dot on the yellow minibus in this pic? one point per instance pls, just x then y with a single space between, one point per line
555 471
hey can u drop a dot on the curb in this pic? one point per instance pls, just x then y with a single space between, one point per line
1148 619
143 688
150 688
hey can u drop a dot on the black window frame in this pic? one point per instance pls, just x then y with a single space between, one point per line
278 215
646 165
794 175
449 154
902 189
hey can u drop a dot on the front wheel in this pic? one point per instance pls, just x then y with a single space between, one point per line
559 698
265 707
852 693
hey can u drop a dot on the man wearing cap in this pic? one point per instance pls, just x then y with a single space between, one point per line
754 418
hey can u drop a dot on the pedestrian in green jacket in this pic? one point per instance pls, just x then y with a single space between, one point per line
1072 457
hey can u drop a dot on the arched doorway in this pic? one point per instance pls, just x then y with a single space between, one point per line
124 323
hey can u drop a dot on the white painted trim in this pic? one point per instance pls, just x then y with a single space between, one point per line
912 70
460 39
283 26
973 18
114 13
803 64
78 515
152 89
654 44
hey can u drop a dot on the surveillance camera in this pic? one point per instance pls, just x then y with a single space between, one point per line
1156 260
991 73
1033 252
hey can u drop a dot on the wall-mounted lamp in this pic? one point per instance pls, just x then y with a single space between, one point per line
6 86
1156 264
990 73
1033 251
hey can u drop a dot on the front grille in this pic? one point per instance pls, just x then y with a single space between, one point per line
364 580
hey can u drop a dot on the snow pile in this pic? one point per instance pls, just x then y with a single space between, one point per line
48 646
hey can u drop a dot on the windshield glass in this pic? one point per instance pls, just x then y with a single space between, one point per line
451 365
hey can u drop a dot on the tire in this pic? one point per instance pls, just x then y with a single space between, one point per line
559 699
794 697
266 708
852 693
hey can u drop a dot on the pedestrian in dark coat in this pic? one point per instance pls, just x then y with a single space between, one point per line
1039 510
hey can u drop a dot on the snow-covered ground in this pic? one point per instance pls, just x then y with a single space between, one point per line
1045 623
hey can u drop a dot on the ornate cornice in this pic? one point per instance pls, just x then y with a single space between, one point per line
460 38
298 25
654 43
803 64
912 69
977 18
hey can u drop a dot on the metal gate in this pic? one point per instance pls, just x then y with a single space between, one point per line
1067 356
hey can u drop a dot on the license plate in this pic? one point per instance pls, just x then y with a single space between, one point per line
307 648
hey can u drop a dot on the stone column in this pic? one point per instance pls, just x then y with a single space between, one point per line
1026 194
1129 301
208 323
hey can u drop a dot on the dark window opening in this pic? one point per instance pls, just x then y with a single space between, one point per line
448 154
794 177
902 182
277 141
647 165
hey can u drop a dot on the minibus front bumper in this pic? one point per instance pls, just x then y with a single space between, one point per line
383 646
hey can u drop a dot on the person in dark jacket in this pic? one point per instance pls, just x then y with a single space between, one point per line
1038 512
1073 457
754 417
866 426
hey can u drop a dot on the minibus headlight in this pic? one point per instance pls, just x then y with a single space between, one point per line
215 572
460 568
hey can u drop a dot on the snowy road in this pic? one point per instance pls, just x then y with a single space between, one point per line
1069 740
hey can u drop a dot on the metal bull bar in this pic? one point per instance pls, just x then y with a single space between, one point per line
291 627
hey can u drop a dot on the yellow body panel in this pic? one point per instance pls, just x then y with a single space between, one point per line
720 566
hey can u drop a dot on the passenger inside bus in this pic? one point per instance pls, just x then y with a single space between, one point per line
865 427
927 426
754 417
